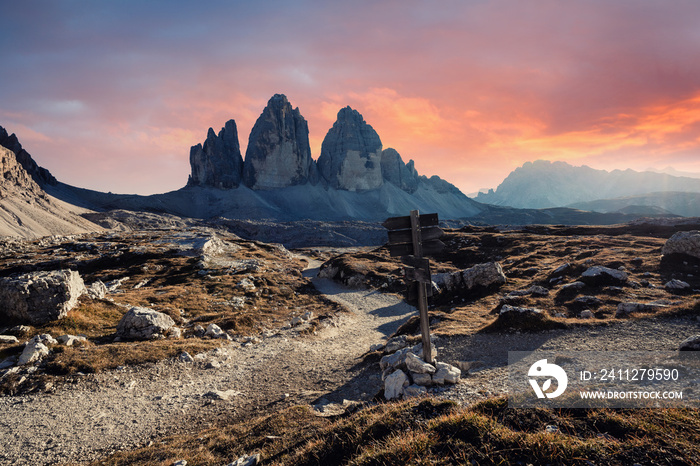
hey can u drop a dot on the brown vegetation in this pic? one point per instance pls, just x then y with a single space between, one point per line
428 431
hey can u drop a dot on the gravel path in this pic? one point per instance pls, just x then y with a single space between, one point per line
95 415
126 408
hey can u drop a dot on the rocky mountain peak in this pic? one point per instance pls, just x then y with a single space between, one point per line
15 180
41 175
395 171
218 162
278 153
351 154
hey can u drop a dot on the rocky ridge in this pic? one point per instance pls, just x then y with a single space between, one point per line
279 156
26 209
39 174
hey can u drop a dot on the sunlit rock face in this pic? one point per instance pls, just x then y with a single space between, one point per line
278 153
218 162
351 154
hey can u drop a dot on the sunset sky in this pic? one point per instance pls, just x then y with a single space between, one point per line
110 95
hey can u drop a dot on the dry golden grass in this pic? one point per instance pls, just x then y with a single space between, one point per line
94 358
429 431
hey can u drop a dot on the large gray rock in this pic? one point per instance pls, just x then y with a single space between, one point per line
218 162
278 153
398 173
446 373
140 323
683 242
40 297
599 276
676 285
8 339
627 308
484 275
351 154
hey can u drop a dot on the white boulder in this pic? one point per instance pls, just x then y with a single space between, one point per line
683 242
40 297
140 323
394 384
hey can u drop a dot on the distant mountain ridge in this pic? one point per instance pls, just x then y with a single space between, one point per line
543 184
26 210
670 202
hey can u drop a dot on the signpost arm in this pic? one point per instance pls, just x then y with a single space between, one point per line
422 292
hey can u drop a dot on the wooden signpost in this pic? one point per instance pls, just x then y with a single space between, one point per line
411 237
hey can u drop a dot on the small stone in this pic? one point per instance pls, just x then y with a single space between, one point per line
8 339
676 285
586 314
223 395
538 291
246 285
185 357
551 429
466 366
70 340
417 365
625 309
34 351
394 361
214 331
199 331
8 362
376 347
296 321
394 384
20 330
446 373
591 301
690 344
180 463
97 290
414 390
599 276
421 379
396 344
418 350
572 288
246 460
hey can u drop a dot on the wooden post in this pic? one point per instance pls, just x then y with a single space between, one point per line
422 292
